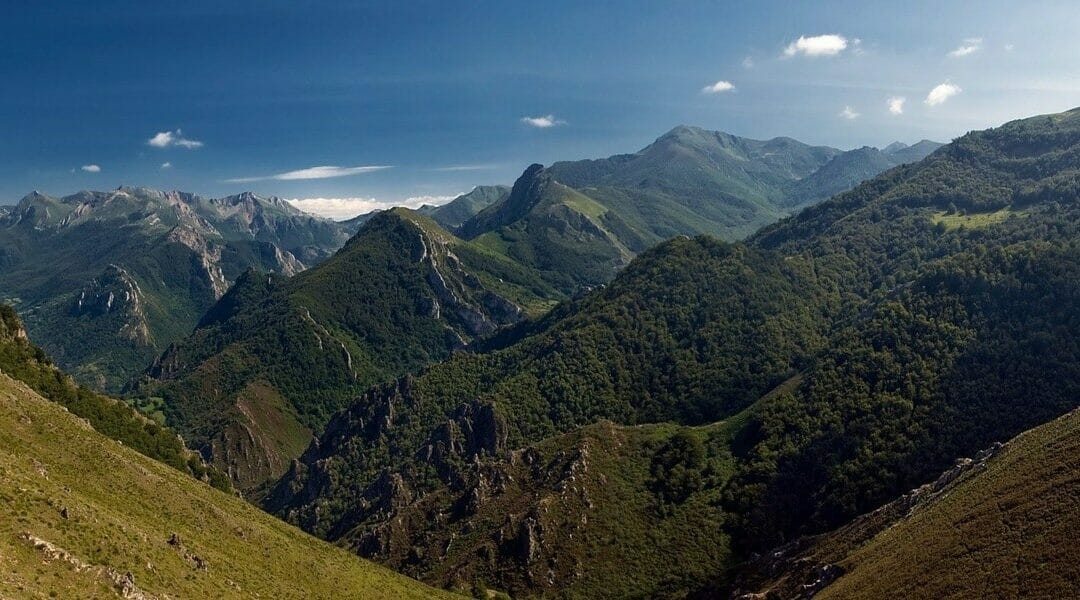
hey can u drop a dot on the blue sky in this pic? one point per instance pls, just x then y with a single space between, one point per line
254 95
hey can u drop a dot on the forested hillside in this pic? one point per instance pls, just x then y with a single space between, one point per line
275 357
995 521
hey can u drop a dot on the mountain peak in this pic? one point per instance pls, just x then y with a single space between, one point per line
527 191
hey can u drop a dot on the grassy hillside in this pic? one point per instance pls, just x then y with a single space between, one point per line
28 364
86 517
1005 521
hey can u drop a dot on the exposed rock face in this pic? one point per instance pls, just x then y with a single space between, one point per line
514 506
116 293
460 297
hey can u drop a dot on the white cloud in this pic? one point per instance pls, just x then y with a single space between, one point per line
970 46
542 122
91 168
896 105
323 172
849 113
164 139
829 44
346 208
1009 47
166 165
718 87
941 93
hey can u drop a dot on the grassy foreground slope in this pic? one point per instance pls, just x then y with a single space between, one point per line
83 516
1003 526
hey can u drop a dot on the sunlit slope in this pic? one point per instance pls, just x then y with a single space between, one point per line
83 516
1003 526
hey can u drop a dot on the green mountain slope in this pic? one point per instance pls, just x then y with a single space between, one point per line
273 360
571 240
28 364
863 345
692 181
83 516
1003 521
579 222
848 169
461 209
106 280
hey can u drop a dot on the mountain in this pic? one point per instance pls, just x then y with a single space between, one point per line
913 153
848 169
953 537
276 357
452 214
84 516
692 181
716 400
568 238
579 222
106 280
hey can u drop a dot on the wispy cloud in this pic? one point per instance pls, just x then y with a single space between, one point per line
166 165
829 44
542 122
346 208
718 87
896 105
849 113
323 172
970 46
164 139
91 168
748 62
1009 47
941 93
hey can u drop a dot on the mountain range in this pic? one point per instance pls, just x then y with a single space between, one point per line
105 281
598 381
715 400
267 366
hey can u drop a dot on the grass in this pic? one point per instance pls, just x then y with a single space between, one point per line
972 220
1008 531
80 512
